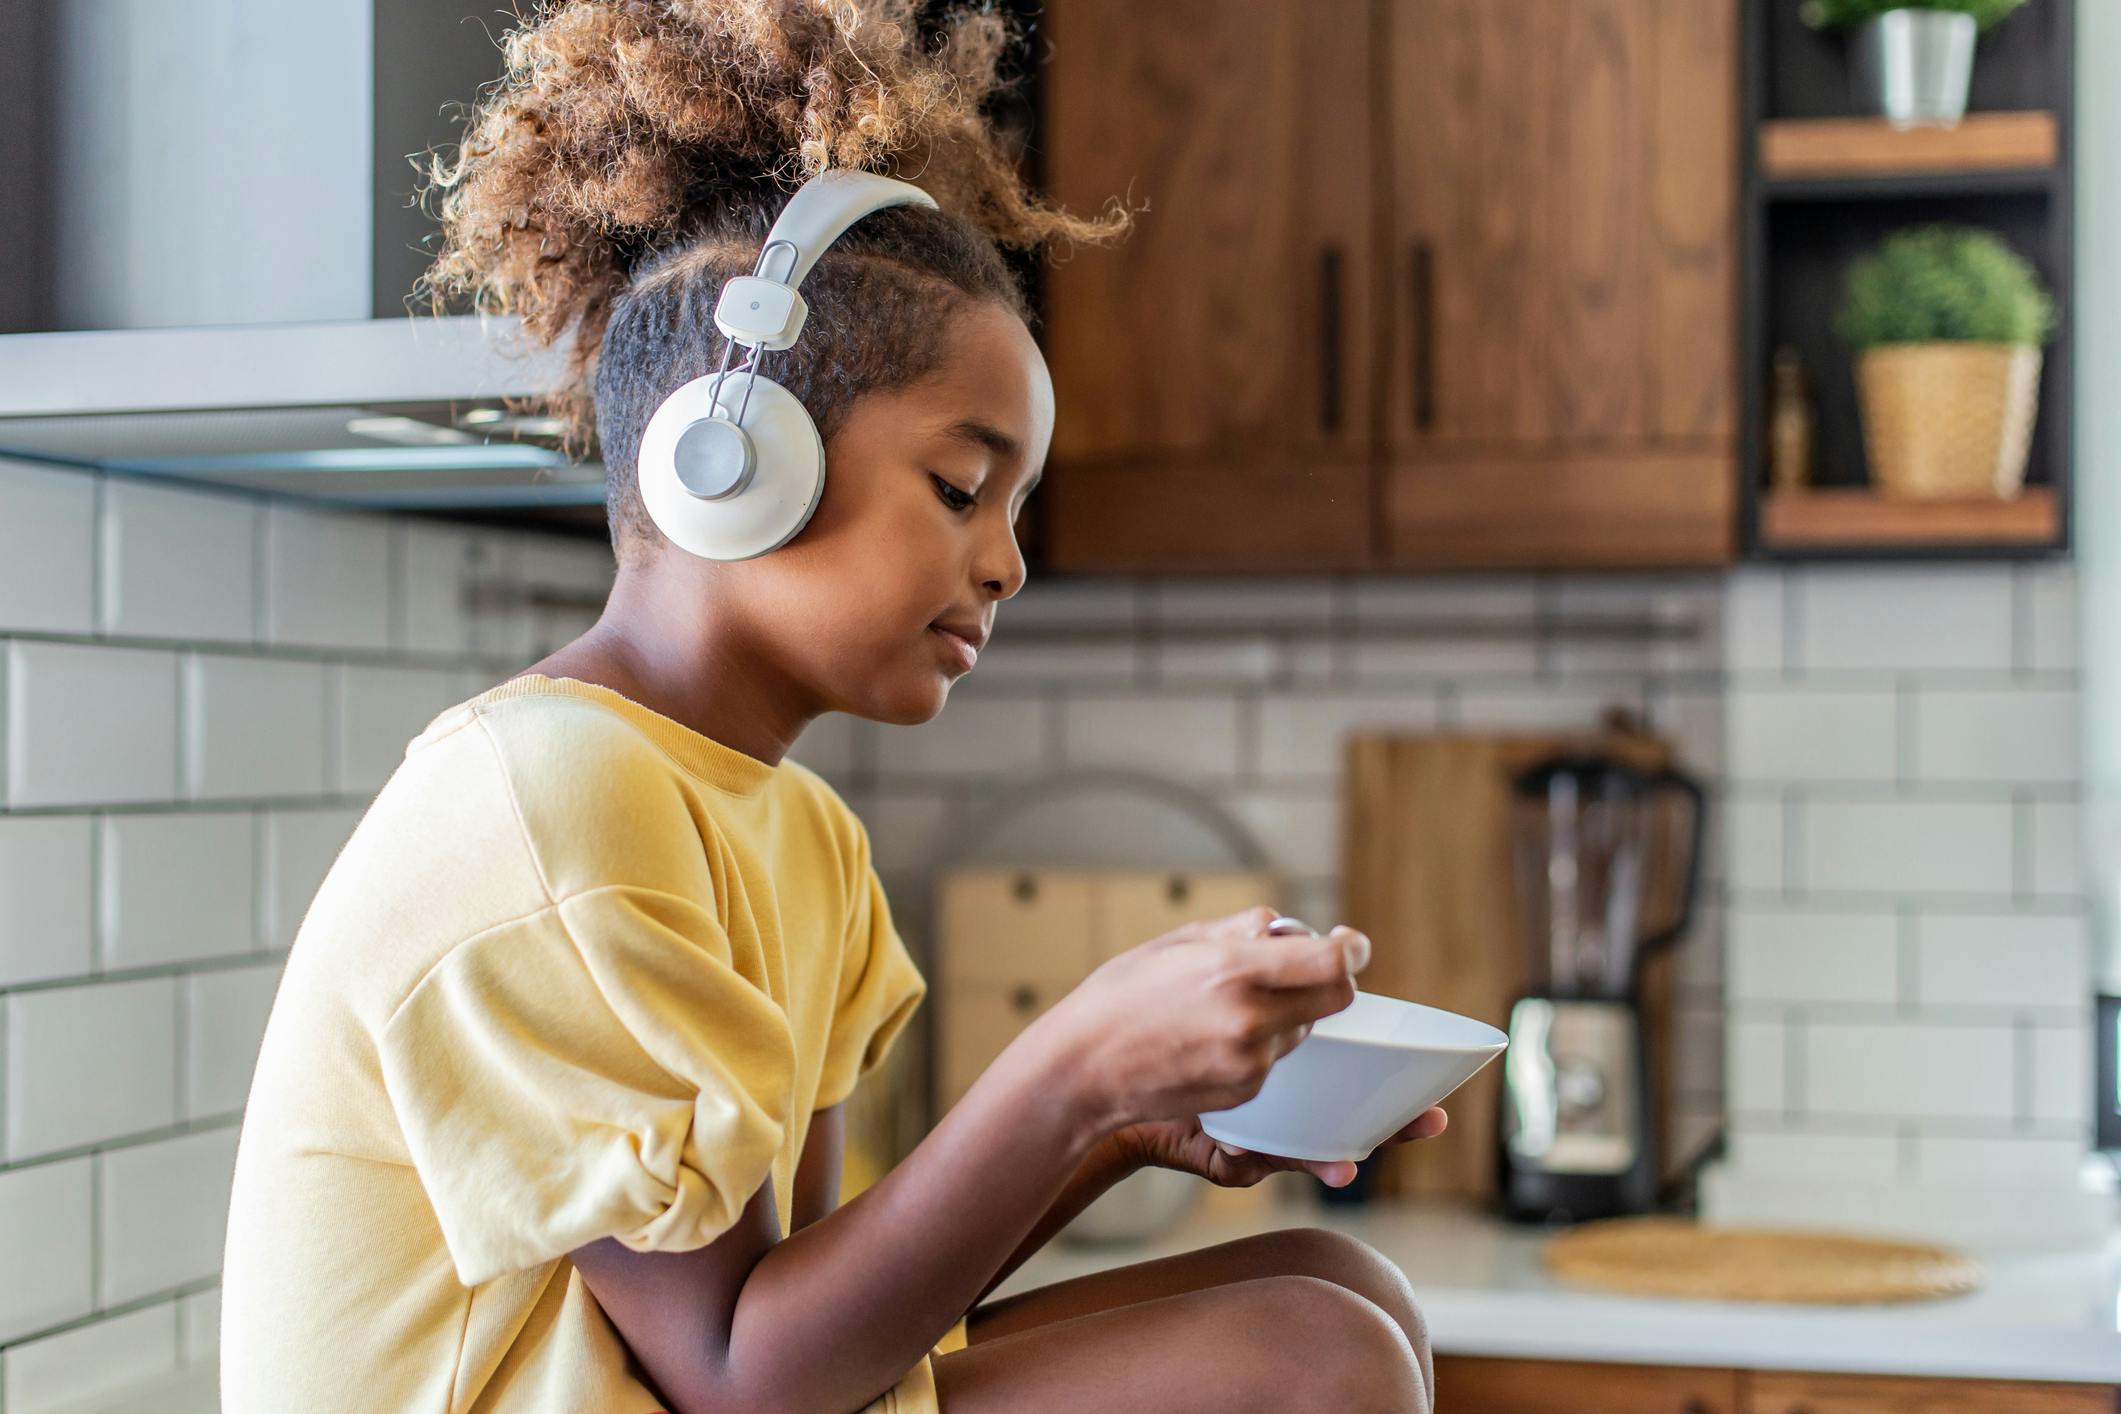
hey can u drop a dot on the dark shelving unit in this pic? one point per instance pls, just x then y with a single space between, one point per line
1819 186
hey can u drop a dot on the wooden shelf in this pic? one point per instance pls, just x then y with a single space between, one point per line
1857 517
1851 148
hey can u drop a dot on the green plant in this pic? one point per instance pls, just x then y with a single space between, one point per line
1944 282
1847 14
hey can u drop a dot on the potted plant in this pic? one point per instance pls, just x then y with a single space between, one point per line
1948 321
1912 57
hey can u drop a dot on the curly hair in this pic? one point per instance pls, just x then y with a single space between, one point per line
632 157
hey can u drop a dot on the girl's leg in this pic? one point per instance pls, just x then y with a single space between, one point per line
1276 1343
1297 1251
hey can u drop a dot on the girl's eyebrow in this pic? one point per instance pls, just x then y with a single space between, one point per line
974 433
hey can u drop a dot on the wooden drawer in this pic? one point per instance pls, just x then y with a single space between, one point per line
1010 926
1469 1386
1138 907
1779 1392
977 1021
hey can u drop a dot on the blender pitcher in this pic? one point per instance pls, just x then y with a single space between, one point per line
1608 856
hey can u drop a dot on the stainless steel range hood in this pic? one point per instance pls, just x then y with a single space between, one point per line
403 413
209 238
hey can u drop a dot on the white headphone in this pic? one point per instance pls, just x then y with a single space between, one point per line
730 475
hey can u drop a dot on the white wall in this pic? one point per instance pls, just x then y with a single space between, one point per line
198 694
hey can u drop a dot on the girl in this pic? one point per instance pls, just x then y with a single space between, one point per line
547 1115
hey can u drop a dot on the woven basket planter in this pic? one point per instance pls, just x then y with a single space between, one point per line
1948 420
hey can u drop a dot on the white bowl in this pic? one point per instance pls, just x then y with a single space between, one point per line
1360 1077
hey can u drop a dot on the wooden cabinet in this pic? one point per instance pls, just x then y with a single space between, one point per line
1421 283
1780 1393
1012 942
1466 1386
1213 370
1476 1386
1562 310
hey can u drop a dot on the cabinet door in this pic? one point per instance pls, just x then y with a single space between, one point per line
1010 926
1138 907
1560 310
1213 370
1470 1386
976 1021
1779 1393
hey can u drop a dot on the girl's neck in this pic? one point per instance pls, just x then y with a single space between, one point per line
659 643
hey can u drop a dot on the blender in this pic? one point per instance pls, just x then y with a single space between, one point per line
1607 861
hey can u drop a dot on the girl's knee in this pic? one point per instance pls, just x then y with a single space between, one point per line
1352 1263
1355 1354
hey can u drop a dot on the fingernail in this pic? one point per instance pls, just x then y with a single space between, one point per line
1233 1153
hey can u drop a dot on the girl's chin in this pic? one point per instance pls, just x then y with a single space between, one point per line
912 704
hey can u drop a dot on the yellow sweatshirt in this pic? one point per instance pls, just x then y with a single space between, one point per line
580 972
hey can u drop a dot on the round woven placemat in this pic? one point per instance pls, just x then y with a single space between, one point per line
1675 1257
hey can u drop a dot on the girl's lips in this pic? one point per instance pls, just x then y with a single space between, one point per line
959 644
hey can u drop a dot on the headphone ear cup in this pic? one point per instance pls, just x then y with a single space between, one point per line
691 472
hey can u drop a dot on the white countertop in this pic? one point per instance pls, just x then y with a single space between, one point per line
2039 1316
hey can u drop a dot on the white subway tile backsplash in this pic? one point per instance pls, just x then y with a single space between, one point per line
90 725
909 829
1096 601
45 898
1916 1070
199 1326
300 846
1802 955
2054 859
1753 620
972 737
501 629
327 579
1799 734
253 727
1907 619
437 567
379 711
65 1371
177 888
164 1212
2003 960
2010 736
46 1246
1815 1157
1757 1066
1299 830
1208 665
1908 846
1755 833
2047 618
568 562
1691 717
827 745
2020 1159
1010 659
1185 736
1305 734
2060 1087
225 1012
47 549
1509 607
1558 708
1685 610
89 1063
178 564
1265 602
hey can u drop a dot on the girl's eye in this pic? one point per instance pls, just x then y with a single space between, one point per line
955 499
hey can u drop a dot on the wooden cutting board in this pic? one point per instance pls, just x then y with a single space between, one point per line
1427 872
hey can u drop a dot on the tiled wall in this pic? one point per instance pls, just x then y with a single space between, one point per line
198 694
1908 939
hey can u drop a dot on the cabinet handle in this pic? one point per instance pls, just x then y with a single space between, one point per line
1024 998
1329 338
1421 272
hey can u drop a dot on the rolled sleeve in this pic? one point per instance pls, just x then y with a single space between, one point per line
597 1069
880 990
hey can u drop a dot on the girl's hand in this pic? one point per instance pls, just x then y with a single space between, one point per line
1192 1021
1181 1144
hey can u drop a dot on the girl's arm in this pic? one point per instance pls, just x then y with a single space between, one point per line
831 1316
